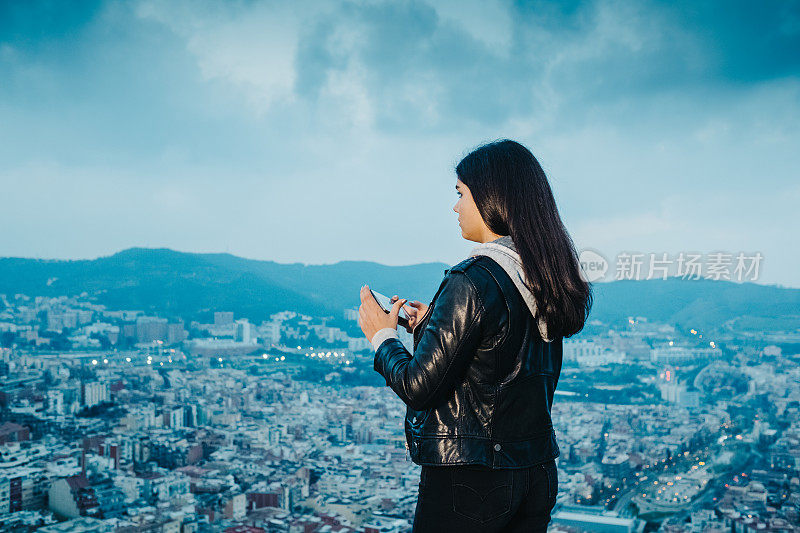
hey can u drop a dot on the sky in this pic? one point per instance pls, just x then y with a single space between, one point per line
317 132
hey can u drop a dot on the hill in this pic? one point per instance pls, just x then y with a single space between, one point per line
192 286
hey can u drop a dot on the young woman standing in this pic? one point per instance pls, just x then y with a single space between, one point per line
487 352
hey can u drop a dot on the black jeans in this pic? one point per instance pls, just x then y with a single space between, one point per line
475 498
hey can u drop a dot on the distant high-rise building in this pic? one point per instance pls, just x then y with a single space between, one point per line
223 318
175 333
128 331
244 331
70 319
270 332
358 344
93 393
174 417
55 321
590 353
673 355
84 317
55 401
580 349
149 329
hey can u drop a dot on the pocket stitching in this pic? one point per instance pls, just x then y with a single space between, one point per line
483 498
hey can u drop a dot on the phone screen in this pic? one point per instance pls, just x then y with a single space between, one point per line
386 305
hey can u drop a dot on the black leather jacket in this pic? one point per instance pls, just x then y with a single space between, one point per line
480 384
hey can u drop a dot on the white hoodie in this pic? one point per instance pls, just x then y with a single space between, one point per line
505 254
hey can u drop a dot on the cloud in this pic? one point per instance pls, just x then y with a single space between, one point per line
432 66
251 46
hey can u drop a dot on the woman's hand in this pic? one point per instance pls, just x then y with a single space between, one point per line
372 318
415 311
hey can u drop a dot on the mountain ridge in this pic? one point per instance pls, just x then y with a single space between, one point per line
192 285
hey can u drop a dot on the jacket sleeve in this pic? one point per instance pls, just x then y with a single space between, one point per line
445 348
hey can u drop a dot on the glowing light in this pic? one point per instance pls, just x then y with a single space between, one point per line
219 359
94 361
128 359
105 361
283 357
265 355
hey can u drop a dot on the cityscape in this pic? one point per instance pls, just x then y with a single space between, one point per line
113 420
198 192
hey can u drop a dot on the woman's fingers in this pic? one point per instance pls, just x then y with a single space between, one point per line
412 309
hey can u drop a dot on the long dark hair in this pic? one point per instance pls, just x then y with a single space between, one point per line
514 198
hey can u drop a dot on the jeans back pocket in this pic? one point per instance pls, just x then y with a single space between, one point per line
481 494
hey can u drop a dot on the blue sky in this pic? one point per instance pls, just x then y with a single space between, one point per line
316 132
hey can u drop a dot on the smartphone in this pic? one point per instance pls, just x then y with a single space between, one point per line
386 305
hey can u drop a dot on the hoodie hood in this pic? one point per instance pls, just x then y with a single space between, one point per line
504 253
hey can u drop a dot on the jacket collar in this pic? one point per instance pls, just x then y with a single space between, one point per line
504 252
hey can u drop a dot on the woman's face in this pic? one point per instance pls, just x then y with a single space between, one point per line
473 228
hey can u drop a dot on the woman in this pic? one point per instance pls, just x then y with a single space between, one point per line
487 352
